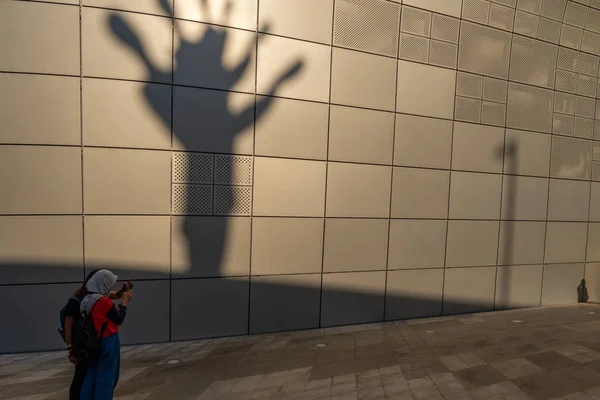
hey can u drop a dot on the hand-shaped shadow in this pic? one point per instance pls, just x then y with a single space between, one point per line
210 49
224 124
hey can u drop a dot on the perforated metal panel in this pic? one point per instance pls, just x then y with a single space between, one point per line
571 36
484 50
584 128
586 85
549 30
233 170
192 168
495 89
502 17
596 130
233 200
575 14
469 85
192 199
529 108
445 28
588 64
476 11
554 9
595 3
591 42
526 24
567 59
585 107
531 6
533 62
493 113
564 103
468 110
566 81
416 22
443 54
369 25
563 125
592 23
509 3
414 48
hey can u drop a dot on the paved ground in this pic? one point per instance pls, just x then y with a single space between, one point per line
550 353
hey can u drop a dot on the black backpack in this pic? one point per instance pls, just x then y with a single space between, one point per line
86 345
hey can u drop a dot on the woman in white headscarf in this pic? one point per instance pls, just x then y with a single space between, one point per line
103 375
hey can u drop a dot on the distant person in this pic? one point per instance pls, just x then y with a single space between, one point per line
103 375
70 313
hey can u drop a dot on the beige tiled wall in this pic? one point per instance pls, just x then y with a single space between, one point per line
289 164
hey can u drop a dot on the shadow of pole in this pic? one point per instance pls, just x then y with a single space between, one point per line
507 219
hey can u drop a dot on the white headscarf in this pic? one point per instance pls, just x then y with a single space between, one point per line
98 287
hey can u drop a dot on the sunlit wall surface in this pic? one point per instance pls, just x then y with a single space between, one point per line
270 165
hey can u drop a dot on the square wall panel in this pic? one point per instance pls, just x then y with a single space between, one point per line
302 19
289 187
363 80
521 242
283 303
592 281
292 128
41 249
352 298
529 108
533 62
148 322
355 190
422 142
126 114
40 180
137 247
425 90
448 7
484 50
524 198
477 148
569 200
472 243
360 135
571 158
530 155
468 290
593 243
560 283
241 13
565 242
39 109
414 294
232 53
40 38
595 202
210 246
293 68
39 333
108 51
287 245
420 193
417 244
142 6
475 196
206 308
519 286
355 245
214 121
126 181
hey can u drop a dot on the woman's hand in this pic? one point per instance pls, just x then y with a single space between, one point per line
126 298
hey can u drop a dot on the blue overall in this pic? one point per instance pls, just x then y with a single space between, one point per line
102 377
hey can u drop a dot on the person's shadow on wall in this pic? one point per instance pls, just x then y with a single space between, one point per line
210 49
